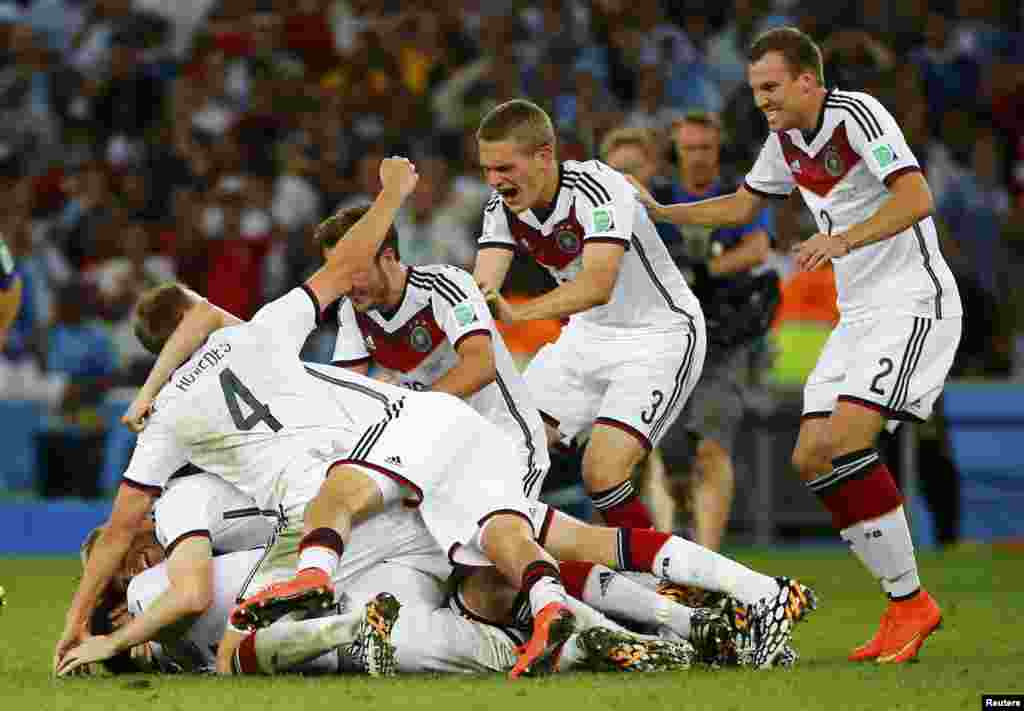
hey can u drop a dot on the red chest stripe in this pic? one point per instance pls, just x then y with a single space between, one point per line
821 172
557 250
404 349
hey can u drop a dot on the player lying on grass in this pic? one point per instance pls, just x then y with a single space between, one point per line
370 637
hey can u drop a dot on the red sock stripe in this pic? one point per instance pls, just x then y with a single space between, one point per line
862 498
644 544
326 537
631 513
574 576
535 571
246 655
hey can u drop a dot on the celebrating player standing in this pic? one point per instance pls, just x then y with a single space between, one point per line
900 310
634 346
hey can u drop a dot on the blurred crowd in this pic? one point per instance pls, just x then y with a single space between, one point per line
202 139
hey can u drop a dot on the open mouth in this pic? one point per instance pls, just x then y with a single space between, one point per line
508 193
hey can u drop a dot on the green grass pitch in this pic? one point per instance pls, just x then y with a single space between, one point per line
979 650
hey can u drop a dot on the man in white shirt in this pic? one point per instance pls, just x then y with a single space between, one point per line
900 312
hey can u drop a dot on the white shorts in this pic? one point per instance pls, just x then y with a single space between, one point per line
458 468
896 365
634 380
196 504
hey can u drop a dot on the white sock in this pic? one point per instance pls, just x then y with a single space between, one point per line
287 644
686 563
885 548
620 597
544 592
319 557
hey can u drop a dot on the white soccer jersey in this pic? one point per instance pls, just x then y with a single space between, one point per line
196 649
417 344
843 170
597 204
244 408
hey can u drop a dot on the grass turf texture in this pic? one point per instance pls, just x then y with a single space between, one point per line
980 650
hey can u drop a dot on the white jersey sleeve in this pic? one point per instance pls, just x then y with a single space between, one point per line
879 141
291 318
605 204
496 232
771 176
349 348
459 307
157 456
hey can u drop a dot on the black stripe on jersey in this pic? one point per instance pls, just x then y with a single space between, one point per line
434 283
764 194
510 403
533 480
867 109
928 268
361 389
682 376
654 278
911 357
601 190
573 182
860 111
316 302
368 440
441 277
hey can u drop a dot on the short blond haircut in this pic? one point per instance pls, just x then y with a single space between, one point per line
619 137
518 120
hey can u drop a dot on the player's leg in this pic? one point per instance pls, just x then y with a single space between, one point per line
507 539
348 494
895 370
775 603
650 377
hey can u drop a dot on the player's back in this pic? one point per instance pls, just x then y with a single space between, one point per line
244 407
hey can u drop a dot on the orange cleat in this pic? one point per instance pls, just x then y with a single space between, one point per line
910 624
311 589
552 626
870 650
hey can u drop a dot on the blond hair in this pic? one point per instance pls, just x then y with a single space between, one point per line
518 120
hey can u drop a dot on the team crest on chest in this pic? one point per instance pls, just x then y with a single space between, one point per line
834 165
567 241
419 338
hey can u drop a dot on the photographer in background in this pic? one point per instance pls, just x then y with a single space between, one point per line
723 267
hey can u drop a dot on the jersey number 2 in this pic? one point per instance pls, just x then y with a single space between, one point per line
235 390
886 364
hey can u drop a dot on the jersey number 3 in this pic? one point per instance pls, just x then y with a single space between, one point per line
235 390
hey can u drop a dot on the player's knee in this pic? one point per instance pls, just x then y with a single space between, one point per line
813 457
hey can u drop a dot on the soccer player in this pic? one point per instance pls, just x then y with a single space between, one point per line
900 312
429 328
634 346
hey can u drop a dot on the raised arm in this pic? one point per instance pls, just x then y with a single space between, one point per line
359 247
492 265
199 321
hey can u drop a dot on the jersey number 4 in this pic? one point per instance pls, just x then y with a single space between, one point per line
235 391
